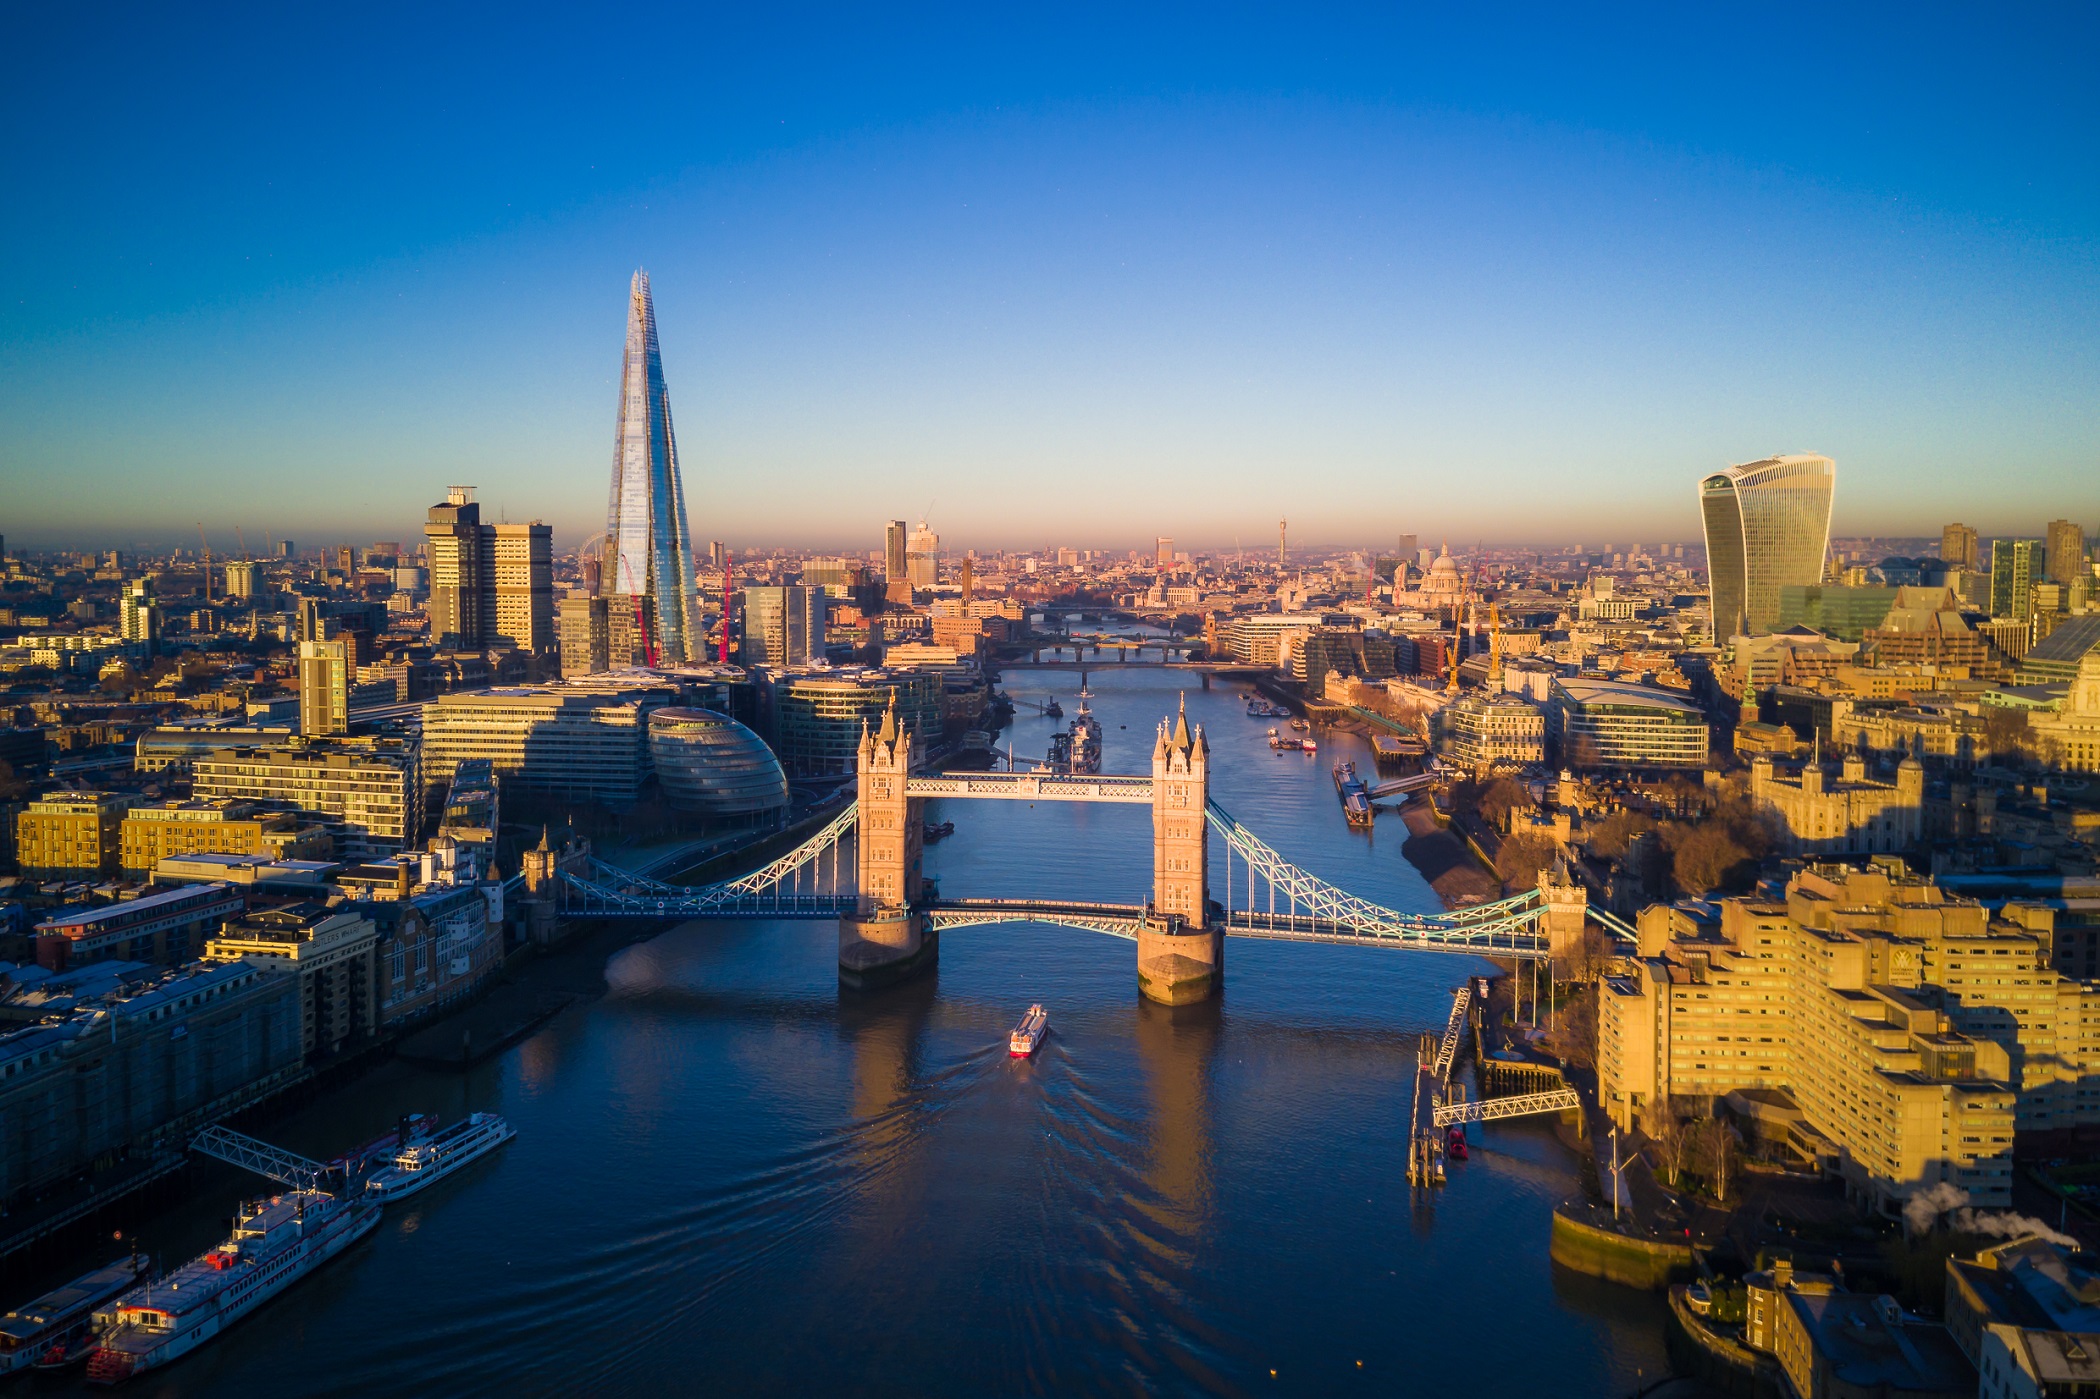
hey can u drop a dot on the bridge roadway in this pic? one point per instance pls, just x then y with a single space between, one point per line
1032 787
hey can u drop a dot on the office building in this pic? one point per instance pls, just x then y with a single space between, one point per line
324 688
1958 548
1847 613
490 585
331 953
896 549
557 742
2066 551
1767 525
2016 566
582 626
243 579
366 793
1481 731
782 626
138 617
1909 1034
1608 723
1163 552
152 833
71 835
838 578
648 553
923 557
817 716
714 767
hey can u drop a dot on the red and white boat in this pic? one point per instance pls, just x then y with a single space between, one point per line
1028 1035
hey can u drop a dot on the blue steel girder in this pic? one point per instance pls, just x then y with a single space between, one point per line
1321 912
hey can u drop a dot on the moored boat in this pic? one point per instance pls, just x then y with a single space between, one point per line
57 1329
1028 1035
275 1243
425 1163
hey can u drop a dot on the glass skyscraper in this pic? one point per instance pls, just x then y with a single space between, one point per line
1767 526
648 561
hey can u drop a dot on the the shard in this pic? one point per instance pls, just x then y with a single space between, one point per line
647 565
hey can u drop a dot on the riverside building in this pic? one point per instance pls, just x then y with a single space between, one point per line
152 833
1480 731
365 792
562 742
818 715
710 765
1767 526
1898 1035
1609 723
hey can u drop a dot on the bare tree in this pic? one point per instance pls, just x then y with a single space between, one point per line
1718 1150
1667 1132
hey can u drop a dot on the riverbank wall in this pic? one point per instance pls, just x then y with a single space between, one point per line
1649 1264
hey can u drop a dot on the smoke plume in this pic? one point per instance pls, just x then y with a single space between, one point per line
1923 1210
2008 1226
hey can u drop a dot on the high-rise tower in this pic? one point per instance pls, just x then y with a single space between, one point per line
648 561
1767 526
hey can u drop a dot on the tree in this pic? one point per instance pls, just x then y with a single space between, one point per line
1571 1032
1703 857
1500 799
1667 1133
1717 1150
1521 858
1613 836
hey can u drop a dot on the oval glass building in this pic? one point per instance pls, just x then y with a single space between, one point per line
1767 526
714 767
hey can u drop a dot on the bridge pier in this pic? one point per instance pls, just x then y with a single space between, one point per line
885 946
1178 965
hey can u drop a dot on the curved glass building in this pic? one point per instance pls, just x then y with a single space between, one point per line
1767 526
714 767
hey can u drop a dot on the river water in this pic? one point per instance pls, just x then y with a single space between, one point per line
732 1178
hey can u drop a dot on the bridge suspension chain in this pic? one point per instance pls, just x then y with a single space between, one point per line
1505 925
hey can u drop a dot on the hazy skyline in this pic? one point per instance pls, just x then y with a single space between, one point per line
1082 280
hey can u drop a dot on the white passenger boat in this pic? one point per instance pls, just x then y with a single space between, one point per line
426 1162
275 1243
1028 1035
55 1327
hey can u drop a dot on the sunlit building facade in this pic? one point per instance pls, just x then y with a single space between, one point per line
1767 526
648 561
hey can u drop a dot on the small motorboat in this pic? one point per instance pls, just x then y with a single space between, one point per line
1028 1035
1053 710
1455 1142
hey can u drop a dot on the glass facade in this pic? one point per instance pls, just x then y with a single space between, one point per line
648 550
712 766
818 716
1767 526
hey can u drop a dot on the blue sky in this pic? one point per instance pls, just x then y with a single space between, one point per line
1074 276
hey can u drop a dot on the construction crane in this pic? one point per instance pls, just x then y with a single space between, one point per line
207 562
1283 530
244 542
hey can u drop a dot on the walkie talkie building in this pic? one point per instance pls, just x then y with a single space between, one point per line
1767 527
647 565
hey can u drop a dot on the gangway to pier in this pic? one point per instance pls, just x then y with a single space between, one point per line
250 1154
1454 1032
1495 1109
1399 785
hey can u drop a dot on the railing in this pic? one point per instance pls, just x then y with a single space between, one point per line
1494 1109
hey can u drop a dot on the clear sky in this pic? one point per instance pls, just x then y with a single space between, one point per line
1061 275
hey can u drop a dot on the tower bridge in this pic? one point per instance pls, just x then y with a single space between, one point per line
890 921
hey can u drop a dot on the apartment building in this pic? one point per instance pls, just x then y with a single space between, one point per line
365 793
149 834
70 835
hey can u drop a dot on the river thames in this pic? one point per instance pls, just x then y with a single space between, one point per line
732 1178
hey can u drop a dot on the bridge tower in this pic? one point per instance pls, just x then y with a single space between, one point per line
1181 950
886 939
1567 905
